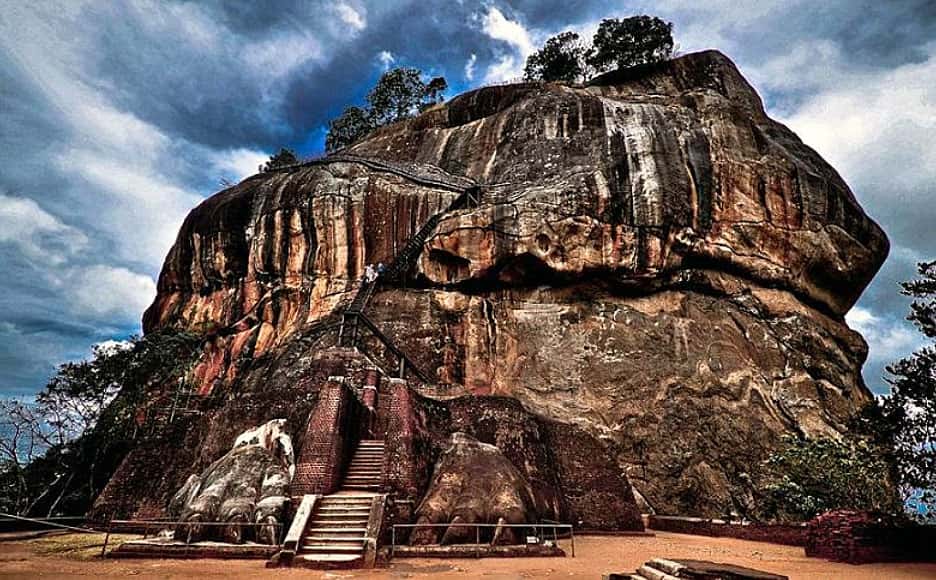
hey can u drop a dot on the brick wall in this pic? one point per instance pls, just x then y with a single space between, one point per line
331 436
860 538
789 535
408 448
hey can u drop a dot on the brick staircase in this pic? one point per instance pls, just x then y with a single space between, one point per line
365 469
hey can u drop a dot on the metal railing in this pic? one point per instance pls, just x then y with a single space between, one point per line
538 529
162 524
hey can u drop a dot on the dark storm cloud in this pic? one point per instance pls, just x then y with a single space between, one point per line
118 117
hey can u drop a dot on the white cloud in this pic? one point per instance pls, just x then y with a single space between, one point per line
351 17
39 235
869 125
888 339
470 66
385 57
236 164
498 27
111 346
110 293
281 54
142 210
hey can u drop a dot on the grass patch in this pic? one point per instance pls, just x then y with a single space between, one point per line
77 546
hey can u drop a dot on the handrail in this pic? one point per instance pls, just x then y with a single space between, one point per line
375 164
389 345
478 526
300 520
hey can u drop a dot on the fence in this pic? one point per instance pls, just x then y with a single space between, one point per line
538 529
147 525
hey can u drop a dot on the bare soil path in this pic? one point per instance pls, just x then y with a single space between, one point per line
76 555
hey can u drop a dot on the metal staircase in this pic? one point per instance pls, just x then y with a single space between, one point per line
354 318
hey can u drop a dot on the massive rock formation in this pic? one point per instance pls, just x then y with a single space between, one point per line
653 260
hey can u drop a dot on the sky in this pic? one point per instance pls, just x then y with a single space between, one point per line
116 118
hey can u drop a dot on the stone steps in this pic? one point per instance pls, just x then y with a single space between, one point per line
366 468
337 530
658 569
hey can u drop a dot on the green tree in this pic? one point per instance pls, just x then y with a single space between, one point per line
434 90
904 421
562 58
282 158
807 477
400 93
57 453
353 124
621 43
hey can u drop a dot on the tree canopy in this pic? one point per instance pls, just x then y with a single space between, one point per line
621 43
904 421
400 93
562 59
618 43
57 453
282 158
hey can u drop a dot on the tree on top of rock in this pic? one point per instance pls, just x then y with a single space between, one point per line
353 124
621 43
282 158
400 93
562 59
617 44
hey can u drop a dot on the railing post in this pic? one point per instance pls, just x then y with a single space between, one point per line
477 541
572 534
106 537
392 541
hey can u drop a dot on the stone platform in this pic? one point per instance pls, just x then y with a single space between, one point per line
166 548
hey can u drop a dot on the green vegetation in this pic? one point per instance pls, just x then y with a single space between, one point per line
889 461
57 453
810 476
562 59
283 158
618 43
400 93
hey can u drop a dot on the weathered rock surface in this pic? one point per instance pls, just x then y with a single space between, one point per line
654 261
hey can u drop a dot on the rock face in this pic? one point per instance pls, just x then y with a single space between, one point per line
653 260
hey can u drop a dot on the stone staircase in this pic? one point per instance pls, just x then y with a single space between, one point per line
664 569
337 531
340 530
364 473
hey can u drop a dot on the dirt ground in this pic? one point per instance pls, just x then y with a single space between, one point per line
74 555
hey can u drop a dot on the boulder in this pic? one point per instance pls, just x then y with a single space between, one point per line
653 260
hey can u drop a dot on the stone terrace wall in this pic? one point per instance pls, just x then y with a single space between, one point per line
789 535
861 538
